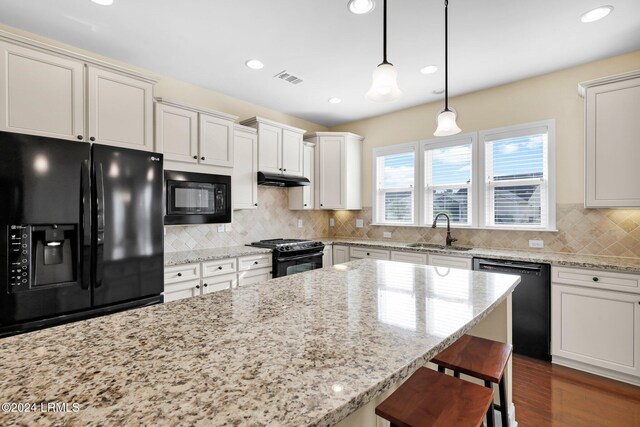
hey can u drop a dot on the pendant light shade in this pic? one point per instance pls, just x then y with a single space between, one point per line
384 84
360 7
446 118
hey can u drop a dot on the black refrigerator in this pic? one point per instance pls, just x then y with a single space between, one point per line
81 230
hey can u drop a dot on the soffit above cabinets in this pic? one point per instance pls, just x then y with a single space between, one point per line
335 51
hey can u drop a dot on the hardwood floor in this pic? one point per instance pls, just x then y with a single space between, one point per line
551 395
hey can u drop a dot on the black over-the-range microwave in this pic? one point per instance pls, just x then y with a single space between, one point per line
196 198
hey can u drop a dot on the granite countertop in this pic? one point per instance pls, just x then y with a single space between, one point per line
306 349
555 258
201 255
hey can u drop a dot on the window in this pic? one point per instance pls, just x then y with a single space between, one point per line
395 185
500 178
448 179
518 190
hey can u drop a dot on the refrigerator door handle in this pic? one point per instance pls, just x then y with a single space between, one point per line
85 215
99 225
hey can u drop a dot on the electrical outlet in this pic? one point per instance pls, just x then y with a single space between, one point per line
386 234
359 223
227 227
220 228
332 222
300 223
536 243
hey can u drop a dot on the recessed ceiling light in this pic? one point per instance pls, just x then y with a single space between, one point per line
596 14
103 2
335 100
254 64
429 69
438 91
360 7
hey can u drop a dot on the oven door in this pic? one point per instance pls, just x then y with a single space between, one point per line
285 266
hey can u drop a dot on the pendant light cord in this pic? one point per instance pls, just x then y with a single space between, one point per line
446 55
384 33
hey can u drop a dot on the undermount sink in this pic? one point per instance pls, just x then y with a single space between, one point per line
434 246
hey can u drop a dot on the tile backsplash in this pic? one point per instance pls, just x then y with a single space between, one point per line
271 220
609 232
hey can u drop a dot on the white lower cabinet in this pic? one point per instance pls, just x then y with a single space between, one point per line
253 276
340 254
410 257
597 328
450 261
327 256
368 253
219 283
181 290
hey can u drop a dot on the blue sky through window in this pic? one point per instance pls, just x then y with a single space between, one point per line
518 156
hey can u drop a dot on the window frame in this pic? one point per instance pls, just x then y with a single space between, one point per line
387 151
548 184
470 138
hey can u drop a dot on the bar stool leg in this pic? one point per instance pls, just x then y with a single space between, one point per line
490 420
504 410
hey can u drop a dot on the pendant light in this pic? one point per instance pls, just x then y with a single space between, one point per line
446 118
384 85
360 7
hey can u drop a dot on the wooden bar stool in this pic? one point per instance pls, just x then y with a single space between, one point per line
480 358
431 399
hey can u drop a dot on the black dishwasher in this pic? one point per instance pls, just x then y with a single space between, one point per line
531 304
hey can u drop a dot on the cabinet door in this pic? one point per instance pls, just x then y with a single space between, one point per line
612 129
120 110
601 328
269 148
216 141
219 283
331 173
340 254
177 133
292 153
368 253
41 94
410 257
327 256
303 197
250 277
450 261
245 171
182 290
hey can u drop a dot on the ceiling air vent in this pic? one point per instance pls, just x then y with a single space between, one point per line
288 77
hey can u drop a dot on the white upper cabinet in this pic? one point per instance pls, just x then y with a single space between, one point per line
120 110
41 93
177 133
194 139
245 172
216 141
338 169
302 198
279 146
612 108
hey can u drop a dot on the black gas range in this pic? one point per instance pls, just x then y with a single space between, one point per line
292 256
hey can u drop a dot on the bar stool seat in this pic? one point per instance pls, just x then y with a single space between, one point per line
431 399
480 358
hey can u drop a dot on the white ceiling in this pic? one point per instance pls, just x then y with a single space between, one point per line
206 42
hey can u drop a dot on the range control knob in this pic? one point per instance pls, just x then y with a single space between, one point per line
287 248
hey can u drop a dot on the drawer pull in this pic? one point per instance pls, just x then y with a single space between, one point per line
179 274
205 285
255 262
197 286
368 254
595 279
220 267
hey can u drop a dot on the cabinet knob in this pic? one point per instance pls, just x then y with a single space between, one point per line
305 204
80 137
205 285
197 286
368 254
219 267
195 157
201 158
93 138
595 279
321 204
284 170
179 274
255 204
255 262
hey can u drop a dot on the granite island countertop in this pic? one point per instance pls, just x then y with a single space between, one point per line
202 255
307 349
631 265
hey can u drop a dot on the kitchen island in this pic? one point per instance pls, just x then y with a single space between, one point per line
316 348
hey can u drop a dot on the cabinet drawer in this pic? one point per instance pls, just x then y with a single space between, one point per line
357 253
596 279
218 267
254 262
410 257
181 290
219 283
250 277
181 273
450 261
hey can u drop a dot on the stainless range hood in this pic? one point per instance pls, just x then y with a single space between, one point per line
279 180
